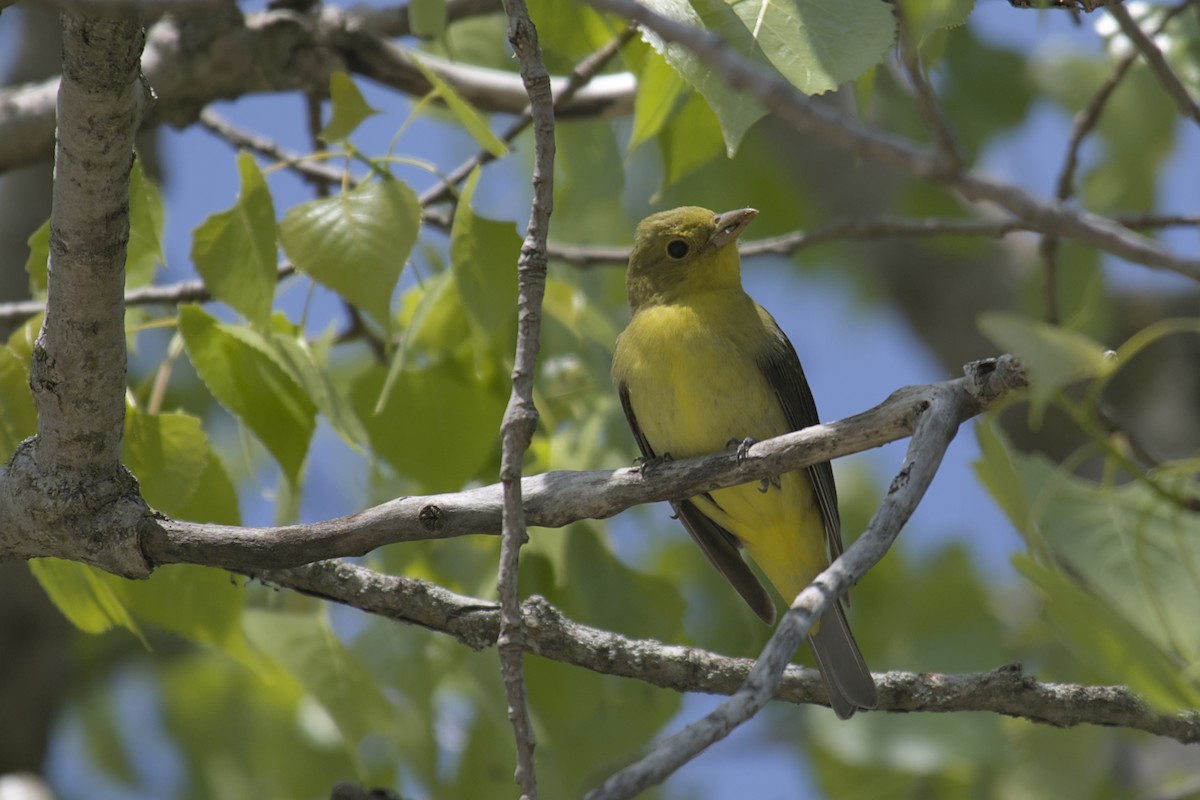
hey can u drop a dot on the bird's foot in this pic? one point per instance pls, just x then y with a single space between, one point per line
765 484
743 446
645 464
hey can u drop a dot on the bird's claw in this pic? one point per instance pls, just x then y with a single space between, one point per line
645 464
743 446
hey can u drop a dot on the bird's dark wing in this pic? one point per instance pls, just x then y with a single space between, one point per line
781 366
719 545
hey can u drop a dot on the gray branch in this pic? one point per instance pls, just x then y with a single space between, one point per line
223 56
66 485
1158 63
521 415
809 117
555 499
476 623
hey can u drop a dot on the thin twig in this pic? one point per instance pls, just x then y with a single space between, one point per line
281 51
925 98
169 295
579 77
1085 122
475 623
521 416
1158 63
867 228
318 173
803 114
864 229
304 166
1089 116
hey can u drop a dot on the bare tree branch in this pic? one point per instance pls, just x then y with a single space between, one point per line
800 112
863 229
221 56
926 100
1085 122
476 623
552 499
867 228
170 294
1158 63
583 73
521 415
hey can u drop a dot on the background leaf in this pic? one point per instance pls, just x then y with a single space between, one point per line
234 250
356 242
254 388
350 108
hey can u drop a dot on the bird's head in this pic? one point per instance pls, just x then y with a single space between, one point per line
685 251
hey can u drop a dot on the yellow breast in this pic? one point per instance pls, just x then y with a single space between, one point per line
694 384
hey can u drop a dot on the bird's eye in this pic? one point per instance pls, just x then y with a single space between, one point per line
677 248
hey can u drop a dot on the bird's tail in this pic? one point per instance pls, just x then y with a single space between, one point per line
843 669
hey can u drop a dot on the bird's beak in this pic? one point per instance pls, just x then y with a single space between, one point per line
729 226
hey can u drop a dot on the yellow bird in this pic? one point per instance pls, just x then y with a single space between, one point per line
701 365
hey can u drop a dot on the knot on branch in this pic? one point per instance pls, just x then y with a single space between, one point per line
94 515
431 517
990 378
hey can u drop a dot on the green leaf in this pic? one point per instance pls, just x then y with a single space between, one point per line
467 116
349 108
568 32
282 744
438 426
167 453
427 18
926 16
357 242
999 476
101 718
596 588
246 379
974 69
1055 357
18 415
1120 567
819 44
1126 544
483 257
433 324
1109 645
201 604
146 223
37 265
658 89
235 251
815 44
305 647
735 110
83 594
215 498
588 190
691 139
298 356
